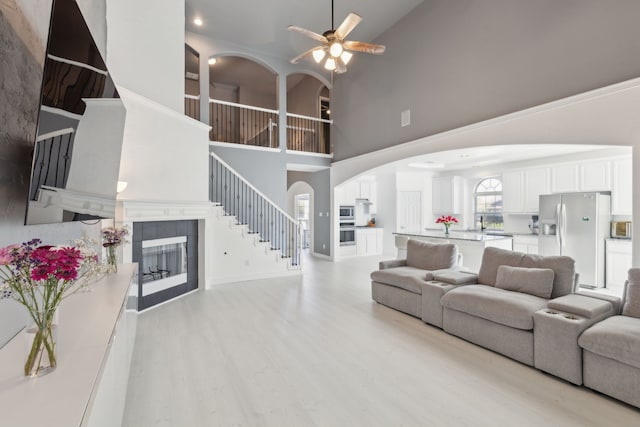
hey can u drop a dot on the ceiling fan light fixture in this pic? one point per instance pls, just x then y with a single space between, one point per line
318 55
330 64
346 57
336 49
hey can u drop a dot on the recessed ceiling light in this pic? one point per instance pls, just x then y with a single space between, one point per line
212 61
198 22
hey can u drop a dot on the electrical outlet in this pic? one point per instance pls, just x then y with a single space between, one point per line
324 246
405 118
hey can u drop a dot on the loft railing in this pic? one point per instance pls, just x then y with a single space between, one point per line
52 160
243 124
308 134
192 106
242 200
66 82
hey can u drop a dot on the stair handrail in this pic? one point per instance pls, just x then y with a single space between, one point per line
315 119
260 193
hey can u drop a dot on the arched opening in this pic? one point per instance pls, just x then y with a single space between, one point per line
244 102
308 114
300 204
487 203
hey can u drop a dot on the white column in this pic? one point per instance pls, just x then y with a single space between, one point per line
282 107
204 86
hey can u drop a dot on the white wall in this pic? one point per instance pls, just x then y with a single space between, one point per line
97 148
145 48
165 155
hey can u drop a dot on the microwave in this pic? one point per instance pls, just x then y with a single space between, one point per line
621 229
347 211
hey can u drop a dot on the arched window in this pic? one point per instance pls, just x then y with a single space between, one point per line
488 204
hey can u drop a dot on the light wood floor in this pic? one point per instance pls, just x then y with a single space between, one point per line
317 351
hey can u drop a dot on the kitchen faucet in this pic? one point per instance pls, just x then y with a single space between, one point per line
482 227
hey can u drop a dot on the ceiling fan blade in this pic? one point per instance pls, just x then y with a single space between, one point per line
348 25
303 55
308 33
340 66
376 49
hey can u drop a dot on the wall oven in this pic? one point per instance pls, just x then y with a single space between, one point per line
347 234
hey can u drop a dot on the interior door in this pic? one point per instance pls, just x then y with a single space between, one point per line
409 211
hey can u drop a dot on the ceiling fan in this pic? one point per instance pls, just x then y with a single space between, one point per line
334 47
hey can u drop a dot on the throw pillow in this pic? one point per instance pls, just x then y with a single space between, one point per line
532 281
631 306
431 256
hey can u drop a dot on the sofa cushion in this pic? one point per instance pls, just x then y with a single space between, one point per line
616 338
564 271
532 281
631 305
513 309
492 258
582 305
407 278
431 256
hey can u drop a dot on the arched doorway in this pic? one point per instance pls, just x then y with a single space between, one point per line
301 208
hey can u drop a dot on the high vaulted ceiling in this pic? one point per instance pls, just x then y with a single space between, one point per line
261 25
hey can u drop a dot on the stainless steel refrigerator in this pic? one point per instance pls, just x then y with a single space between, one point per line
576 225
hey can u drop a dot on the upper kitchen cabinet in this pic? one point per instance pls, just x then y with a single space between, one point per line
536 182
359 189
621 195
581 176
447 194
521 189
513 192
564 178
595 176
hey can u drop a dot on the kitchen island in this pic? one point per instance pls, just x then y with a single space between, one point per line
471 245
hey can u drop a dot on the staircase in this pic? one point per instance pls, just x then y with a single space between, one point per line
253 215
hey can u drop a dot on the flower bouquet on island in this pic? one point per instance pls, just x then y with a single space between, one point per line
112 237
40 277
447 220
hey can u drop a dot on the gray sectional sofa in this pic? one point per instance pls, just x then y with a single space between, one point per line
524 307
611 349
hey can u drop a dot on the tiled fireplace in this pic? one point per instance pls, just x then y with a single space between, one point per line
167 254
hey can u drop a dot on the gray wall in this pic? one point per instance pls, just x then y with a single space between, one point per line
454 63
320 182
267 171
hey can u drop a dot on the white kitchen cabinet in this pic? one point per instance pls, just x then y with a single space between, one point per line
525 244
513 192
369 241
446 195
621 192
595 176
564 178
618 263
373 197
536 182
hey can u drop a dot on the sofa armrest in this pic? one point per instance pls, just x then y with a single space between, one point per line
392 263
615 301
455 277
583 306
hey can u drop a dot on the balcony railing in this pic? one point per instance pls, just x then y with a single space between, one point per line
308 134
52 160
243 124
66 82
192 106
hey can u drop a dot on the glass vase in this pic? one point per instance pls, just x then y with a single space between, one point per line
40 344
112 259
446 229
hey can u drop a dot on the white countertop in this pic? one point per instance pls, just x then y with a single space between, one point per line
86 326
457 235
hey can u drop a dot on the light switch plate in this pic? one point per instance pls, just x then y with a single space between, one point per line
405 118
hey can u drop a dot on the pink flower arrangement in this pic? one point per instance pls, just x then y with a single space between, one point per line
447 220
40 277
113 236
